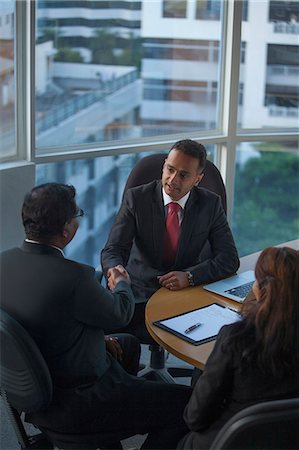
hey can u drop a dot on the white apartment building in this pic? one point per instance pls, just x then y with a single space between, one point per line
181 73
6 56
73 22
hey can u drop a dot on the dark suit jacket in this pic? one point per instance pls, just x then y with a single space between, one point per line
61 304
136 239
226 387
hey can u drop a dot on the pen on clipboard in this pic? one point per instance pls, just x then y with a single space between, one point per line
193 327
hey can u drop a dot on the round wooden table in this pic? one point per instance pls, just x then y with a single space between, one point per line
165 303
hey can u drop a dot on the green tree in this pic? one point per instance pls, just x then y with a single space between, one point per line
110 48
267 201
103 45
68 55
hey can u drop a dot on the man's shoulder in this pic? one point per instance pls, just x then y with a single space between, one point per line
33 258
148 187
77 266
145 192
201 194
11 252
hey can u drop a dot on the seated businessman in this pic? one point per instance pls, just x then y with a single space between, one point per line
162 228
65 310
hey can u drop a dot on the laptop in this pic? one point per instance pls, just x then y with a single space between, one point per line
236 287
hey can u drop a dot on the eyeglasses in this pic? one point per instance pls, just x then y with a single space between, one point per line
80 213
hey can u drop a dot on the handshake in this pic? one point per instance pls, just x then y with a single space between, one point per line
117 274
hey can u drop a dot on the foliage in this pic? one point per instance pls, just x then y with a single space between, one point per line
267 199
112 49
68 55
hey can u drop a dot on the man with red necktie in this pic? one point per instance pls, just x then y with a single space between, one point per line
162 227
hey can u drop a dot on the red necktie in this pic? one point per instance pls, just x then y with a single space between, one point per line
171 234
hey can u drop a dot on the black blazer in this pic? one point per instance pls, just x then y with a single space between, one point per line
64 308
226 387
61 304
136 239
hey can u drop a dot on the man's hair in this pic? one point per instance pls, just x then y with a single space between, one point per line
47 208
193 149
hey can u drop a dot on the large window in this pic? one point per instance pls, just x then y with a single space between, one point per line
270 73
114 80
266 209
104 72
7 79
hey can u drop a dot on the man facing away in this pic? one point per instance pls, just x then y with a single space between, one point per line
65 310
158 251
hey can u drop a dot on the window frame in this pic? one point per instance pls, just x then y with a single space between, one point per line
226 138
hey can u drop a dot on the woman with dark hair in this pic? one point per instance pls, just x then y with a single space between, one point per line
255 359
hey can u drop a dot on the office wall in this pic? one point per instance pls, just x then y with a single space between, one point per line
15 180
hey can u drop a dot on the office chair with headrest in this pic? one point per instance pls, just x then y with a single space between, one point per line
146 170
26 386
150 168
271 425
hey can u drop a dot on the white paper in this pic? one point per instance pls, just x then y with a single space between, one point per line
211 317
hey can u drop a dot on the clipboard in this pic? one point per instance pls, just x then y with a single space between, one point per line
211 318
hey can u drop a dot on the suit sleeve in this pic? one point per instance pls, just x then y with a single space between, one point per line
211 389
99 307
118 247
224 260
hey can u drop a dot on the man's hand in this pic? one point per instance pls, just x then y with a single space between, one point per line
174 280
117 274
113 347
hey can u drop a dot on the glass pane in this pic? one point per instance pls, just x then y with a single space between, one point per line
266 206
174 8
99 183
269 72
209 10
120 70
7 80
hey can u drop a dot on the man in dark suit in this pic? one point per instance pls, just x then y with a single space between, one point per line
61 304
138 237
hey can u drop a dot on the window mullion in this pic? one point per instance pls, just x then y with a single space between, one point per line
230 91
23 80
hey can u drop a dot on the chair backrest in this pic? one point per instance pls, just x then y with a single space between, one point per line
26 386
267 425
150 167
24 375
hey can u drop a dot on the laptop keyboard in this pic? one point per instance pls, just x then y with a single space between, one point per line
241 291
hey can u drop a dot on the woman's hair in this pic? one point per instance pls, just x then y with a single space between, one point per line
46 209
272 320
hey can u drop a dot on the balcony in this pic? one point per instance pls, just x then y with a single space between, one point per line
285 27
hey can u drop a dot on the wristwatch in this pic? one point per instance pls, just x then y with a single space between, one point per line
190 279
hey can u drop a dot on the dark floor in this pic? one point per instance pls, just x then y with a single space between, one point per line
8 439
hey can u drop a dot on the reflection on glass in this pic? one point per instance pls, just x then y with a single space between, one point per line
269 69
266 206
125 70
7 80
99 183
208 10
175 8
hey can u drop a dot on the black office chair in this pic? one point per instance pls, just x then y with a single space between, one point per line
148 169
272 425
26 386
